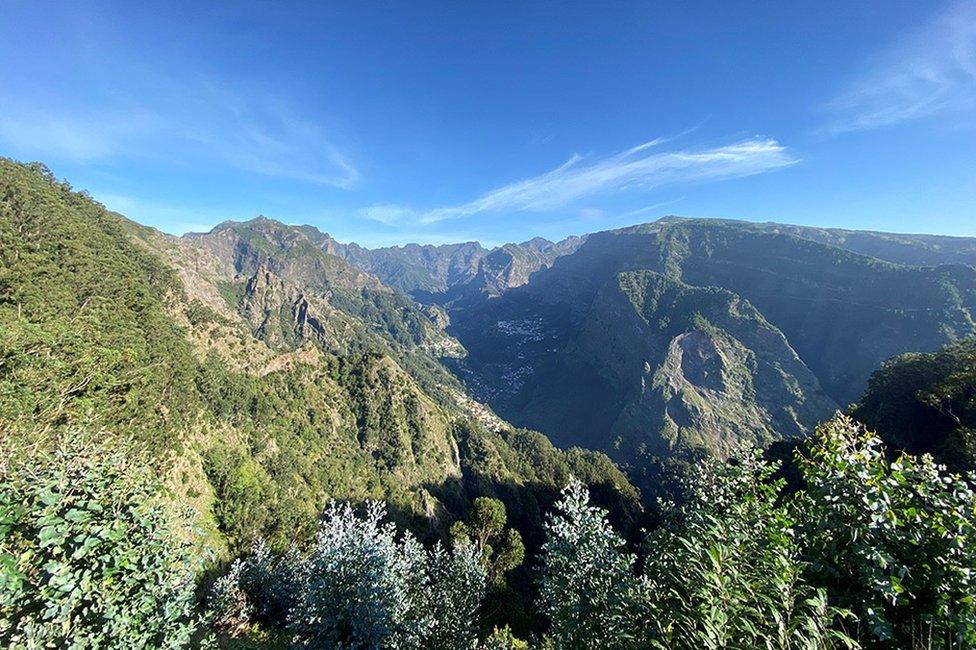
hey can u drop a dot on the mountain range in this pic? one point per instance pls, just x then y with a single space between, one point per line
683 332
707 331
262 376
272 368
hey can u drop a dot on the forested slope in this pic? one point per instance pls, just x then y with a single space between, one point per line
926 403
259 403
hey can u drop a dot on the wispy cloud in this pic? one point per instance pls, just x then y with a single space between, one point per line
193 119
642 167
591 219
931 72
262 134
387 213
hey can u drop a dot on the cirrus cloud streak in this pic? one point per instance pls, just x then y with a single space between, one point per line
930 72
643 167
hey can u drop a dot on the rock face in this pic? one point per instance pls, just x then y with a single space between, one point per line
512 265
714 372
415 268
281 313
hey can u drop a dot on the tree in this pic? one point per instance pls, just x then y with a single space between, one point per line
587 583
88 557
500 549
362 587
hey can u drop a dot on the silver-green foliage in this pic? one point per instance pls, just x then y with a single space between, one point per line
359 586
362 587
587 581
258 590
87 556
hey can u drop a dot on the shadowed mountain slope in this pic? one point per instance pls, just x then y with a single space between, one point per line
802 323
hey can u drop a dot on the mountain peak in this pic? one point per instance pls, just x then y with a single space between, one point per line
537 242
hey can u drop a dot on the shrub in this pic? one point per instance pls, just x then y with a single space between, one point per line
893 540
926 402
87 555
724 571
359 586
259 589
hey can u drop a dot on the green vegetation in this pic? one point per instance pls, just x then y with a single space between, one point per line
724 572
171 434
730 569
102 330
500 550
89 557
926 403
715 366
891 540
874 553
83 328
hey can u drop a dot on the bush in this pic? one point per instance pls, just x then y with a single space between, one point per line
87 555
258 590
587 584
359 586
893 540
724 571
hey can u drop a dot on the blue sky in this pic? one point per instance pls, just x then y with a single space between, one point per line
389 122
